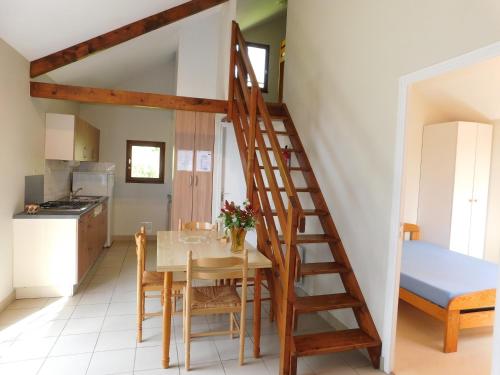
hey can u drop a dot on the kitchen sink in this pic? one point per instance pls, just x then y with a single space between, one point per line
65 205
85 198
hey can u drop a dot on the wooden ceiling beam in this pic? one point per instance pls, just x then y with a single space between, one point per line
126 98
81 50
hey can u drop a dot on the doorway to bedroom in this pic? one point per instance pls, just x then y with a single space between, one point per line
451 207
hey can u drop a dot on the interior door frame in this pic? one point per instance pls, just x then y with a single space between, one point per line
398 190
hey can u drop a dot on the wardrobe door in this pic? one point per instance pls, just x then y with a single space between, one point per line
463 188
480 193
203 169
183 181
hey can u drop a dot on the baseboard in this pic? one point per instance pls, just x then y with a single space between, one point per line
7 300
44 292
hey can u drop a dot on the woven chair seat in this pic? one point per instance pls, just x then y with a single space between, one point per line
204 297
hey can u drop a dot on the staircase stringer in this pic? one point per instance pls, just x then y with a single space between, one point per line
349 280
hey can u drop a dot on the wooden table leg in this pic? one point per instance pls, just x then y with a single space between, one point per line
167 318
257 312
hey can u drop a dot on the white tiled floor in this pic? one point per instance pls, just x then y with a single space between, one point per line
93 333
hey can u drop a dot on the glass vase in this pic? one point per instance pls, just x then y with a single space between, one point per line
238 239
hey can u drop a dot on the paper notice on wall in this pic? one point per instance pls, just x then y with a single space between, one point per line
203 161
185 160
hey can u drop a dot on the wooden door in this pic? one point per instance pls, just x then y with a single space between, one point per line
83 246
182 203
203 168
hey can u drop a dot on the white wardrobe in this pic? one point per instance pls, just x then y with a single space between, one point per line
454 181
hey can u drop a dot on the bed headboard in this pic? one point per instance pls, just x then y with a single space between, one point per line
413 229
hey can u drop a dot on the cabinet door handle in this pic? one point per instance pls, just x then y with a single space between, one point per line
191 180
195 180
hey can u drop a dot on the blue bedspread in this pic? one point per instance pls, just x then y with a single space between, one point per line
438 274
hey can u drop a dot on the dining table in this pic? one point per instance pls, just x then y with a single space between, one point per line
172 249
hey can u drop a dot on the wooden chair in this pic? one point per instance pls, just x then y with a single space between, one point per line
196 225
222 299
148 281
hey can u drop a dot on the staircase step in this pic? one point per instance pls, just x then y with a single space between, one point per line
298 190
321 268
309 213
325 302
274 117
278 132
312 238
332 342
290 169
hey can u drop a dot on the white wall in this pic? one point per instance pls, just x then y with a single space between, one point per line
344 59
136 203
22 121
271 32
198 55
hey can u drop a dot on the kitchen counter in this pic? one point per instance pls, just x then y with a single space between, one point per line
59 214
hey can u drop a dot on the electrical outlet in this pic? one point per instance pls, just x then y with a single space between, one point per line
148 225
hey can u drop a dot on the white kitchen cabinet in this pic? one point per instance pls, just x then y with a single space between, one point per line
68 137
453 196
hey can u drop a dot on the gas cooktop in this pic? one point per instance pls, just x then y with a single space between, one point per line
64 205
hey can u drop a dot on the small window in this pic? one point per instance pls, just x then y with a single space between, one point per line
259 57
145 162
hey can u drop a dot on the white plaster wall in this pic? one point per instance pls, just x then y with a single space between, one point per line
198 55
22 121
271 32
344 60
136 203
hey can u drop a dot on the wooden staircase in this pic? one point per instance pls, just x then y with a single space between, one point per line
262 131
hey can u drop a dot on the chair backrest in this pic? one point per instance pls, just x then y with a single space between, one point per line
413 229
196 225
140 242
217 268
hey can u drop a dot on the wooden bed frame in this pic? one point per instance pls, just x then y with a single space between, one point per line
465 311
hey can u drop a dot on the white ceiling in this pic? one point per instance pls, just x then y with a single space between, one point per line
469 93
36 28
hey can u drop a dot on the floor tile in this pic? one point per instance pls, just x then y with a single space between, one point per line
74 344
90 311
116 340
22 350
84 325
29 367
28 303
272 364
122 308
95 298
229 349
207 368
42 328
251 366
152 337
120 323
112 362
14 316
64 365
166 371
150 358
124 296
202 352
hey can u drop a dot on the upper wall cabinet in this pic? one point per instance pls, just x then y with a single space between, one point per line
68 137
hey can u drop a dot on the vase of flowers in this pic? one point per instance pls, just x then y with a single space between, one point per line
237 221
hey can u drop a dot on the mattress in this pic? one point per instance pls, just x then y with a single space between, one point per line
438 274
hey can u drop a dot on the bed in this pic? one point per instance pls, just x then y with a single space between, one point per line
445 285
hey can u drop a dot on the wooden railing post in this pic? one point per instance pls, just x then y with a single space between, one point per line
288 287
251 141
232 58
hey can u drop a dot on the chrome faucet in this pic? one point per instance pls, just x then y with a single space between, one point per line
72 194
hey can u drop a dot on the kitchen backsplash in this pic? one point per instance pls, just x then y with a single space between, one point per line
57 179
